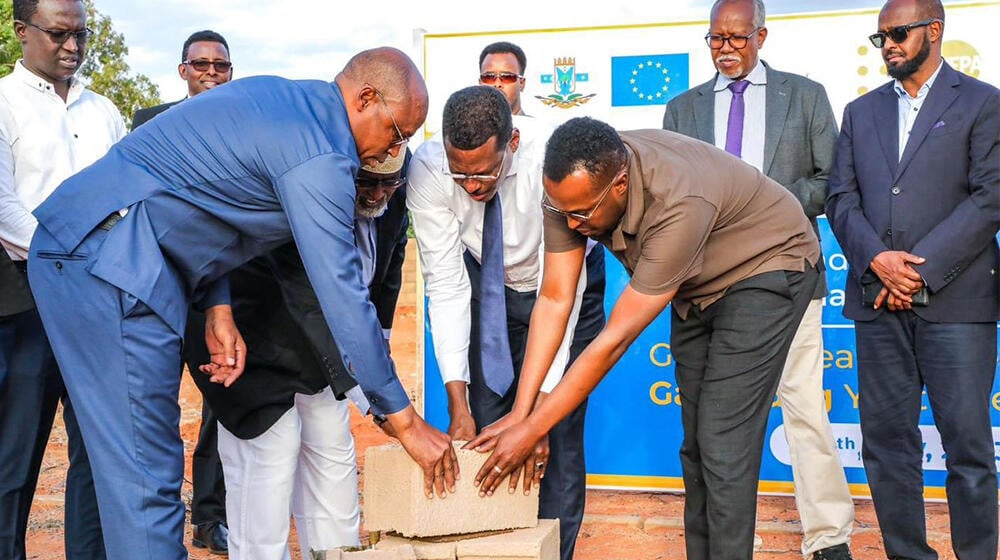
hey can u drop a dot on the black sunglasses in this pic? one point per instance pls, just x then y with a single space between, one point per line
221 66
60 36
898 34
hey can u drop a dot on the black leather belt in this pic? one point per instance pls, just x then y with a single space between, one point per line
110 221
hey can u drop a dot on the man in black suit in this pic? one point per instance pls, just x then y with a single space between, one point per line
285 438
915 203
204 64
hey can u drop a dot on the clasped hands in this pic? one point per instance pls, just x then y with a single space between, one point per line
899 279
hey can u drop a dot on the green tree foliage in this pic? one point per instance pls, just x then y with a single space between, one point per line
104 70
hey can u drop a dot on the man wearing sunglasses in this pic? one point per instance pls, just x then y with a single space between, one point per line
204 65
285 435
783 125
51 126
124 248
488 161
734 254
502 65
915 203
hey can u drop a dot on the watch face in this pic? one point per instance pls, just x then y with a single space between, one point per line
379 419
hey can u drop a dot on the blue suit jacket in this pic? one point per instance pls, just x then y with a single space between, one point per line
940 201
224 177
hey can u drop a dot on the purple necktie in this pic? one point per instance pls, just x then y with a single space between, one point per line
734 130
498 369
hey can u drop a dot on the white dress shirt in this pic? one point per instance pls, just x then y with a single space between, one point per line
44 140
909 107
754 101
447 222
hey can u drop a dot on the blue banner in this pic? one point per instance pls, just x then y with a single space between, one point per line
650 79
634 433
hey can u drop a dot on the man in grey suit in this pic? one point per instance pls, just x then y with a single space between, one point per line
783 125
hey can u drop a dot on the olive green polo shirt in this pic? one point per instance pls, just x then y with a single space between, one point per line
697 220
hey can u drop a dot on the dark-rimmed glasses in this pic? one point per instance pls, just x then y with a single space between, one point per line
202 65
400 140
461 177
372 184
503 77
590 214
60 36
736 41
899 33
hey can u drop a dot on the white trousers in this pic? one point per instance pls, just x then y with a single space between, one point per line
303 466
821 492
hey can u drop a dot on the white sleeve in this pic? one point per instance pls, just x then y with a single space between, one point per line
439 245
17 225
558 366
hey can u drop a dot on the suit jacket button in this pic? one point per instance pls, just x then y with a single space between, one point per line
889 233
895 190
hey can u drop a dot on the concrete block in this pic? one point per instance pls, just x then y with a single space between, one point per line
425 550
404 552
394 498
536 543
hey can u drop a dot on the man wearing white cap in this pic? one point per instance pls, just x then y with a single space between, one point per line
284 434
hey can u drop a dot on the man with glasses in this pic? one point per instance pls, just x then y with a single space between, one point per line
502 65
475 193
51 126
734 254
783 125
915 203
204 65
125 247
285 436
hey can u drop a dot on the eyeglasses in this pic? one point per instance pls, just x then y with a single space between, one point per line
201 65
736 41
372 184
400 139
898 34
504 77
586 217
60 36
461 177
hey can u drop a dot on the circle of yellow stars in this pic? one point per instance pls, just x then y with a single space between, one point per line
643 66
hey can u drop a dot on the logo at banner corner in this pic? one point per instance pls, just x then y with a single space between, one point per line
564 78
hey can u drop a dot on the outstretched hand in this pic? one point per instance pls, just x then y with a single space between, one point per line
511 450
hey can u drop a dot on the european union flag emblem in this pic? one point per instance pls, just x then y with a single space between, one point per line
647 79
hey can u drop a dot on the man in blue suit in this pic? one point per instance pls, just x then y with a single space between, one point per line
915 203
124 247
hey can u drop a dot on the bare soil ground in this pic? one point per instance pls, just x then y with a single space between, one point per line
617 525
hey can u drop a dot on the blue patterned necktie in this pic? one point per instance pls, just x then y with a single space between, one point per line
494 346
734 129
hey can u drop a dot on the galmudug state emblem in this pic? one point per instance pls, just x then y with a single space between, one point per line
564 79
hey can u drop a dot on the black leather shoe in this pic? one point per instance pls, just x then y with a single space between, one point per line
838 552
214 536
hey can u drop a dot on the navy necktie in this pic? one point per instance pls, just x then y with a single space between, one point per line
734 130
494 346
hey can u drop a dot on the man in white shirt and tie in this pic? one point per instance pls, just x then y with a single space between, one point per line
486 165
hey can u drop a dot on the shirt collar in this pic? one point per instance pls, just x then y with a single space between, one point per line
901 91
40 84
756 77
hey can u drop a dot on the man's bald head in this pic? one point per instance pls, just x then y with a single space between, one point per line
383 90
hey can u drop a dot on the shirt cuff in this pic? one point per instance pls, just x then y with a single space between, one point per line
389 398
386 333
454 368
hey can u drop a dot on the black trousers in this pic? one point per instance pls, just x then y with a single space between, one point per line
563 492
729 361
208 485
900 355
30 390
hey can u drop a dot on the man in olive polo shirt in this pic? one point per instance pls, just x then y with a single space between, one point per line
733 252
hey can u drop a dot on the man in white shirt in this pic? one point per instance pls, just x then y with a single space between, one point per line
486 156
50 127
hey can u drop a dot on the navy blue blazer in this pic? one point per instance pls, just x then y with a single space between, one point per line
940 201
205 199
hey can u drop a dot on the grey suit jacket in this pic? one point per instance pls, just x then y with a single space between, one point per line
800 133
